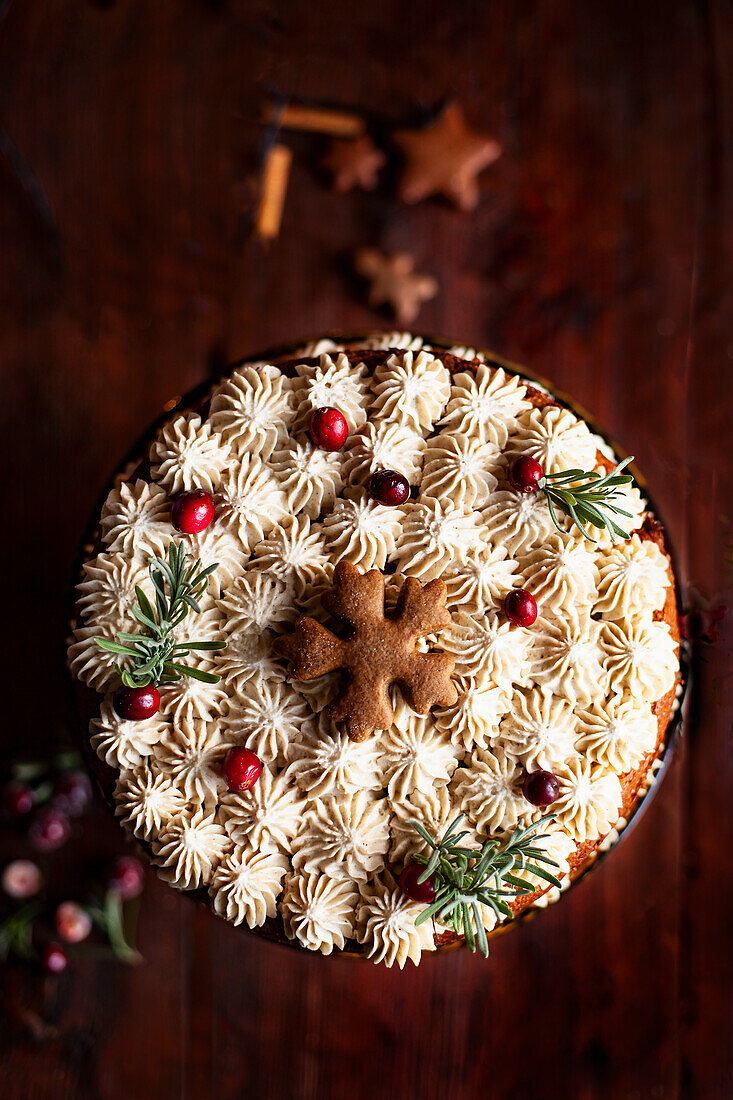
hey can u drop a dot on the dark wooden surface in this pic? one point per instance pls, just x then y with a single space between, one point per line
600 256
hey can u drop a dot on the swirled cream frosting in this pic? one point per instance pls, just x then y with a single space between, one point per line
318 843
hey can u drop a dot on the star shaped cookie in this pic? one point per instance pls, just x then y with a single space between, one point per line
394 282
379 650
445 158
354 163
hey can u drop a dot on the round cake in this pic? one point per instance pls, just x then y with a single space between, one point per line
377 642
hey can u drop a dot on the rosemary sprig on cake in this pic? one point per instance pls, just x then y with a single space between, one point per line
587 496
153 655
464 879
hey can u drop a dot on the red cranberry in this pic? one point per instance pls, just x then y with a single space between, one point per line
540 788
241 769
126 877
136 704
17 799
520 607
328 429
71 793
525 474
192 512
388 487
49 829
54 958
418 891
73 924
21 878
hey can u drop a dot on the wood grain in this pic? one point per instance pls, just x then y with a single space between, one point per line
599 255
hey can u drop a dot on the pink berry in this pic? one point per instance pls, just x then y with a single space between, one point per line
520 607
71 793
328 429
418 891
193 511
54 958
21 878
525 474
126 877
137 704
540 788
49 829
73 924
241 769
388 487
17 799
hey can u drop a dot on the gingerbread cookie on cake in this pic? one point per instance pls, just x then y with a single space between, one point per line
379 647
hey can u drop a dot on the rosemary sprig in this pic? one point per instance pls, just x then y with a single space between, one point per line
466 878
154 655
587 497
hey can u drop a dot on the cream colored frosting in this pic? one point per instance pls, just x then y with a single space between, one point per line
460 468
295 554
485 403
251 501
489 790
107 592
188 455
411 389
488 644
561 573
253 410
249 655
633 580
192 753
136 519
558 845
386 445
473 722
435 535
246 884
539 730
333 383
590 799
519 521
482 581
267 816
556 438
347 837
318 911
362 532
189 698
384 341
189 849
216 545
122 743
89 663
386 924
566 656
617 732
416 755
639 657
256 602
310 477
432 808
147 800
266 717
323 761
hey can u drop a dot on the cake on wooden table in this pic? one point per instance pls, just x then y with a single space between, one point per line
379 646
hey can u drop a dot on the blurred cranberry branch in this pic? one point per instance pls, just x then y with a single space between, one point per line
38 803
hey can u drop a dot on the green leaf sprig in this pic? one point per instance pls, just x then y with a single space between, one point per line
466 878
588 498
153 656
